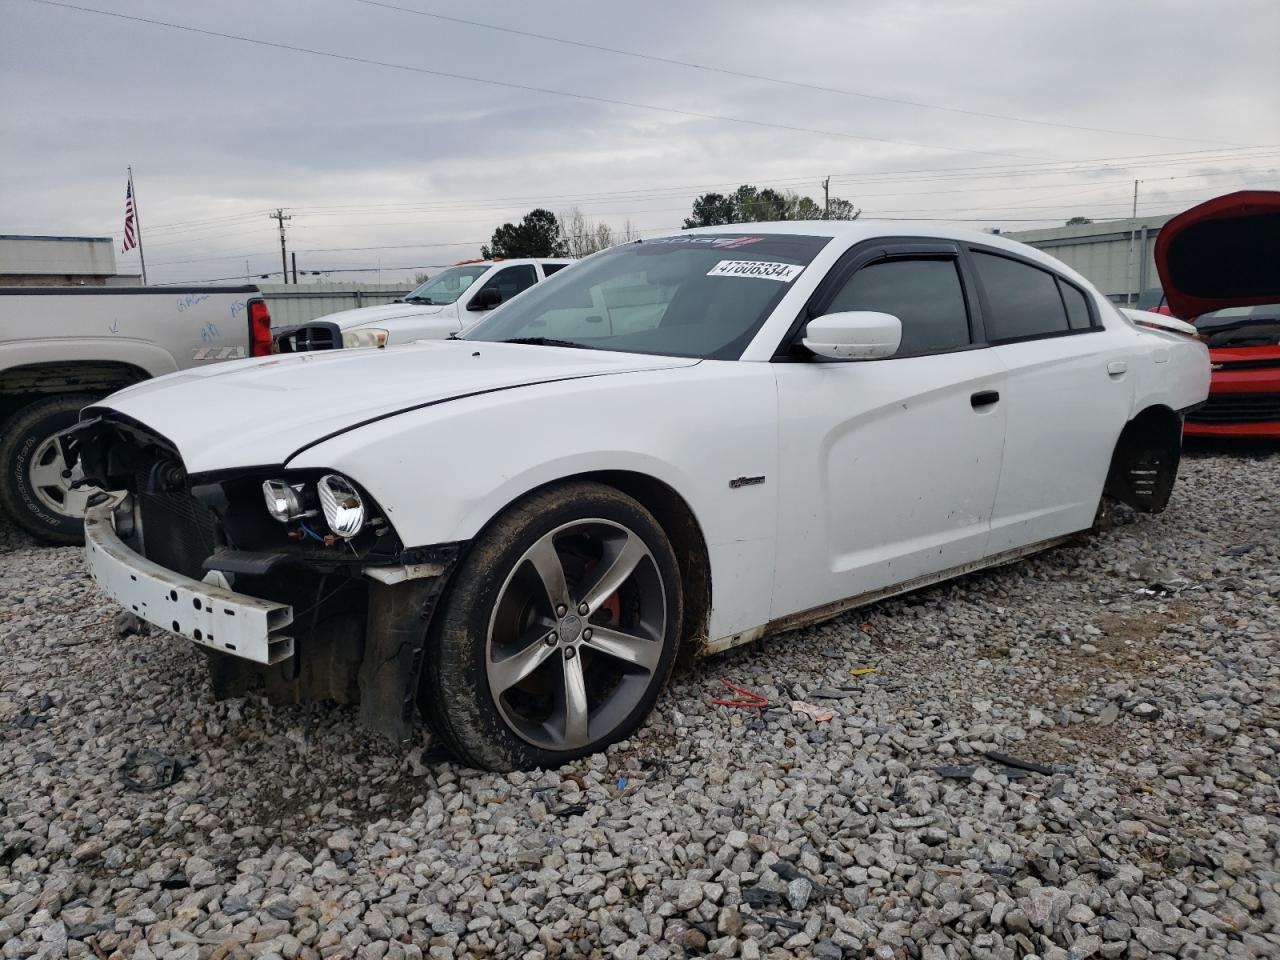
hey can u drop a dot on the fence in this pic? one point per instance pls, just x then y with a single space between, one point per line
292 304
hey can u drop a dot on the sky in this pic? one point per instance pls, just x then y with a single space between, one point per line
1004 114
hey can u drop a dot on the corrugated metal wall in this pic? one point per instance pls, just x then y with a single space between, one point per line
292 304
1101 251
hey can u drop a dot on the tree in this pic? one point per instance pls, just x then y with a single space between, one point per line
747 204
537 235
580 236
710 210
842 210
1076 221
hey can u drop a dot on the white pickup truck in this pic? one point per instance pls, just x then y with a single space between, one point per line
62 348
441 306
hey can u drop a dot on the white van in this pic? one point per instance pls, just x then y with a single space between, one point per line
443 305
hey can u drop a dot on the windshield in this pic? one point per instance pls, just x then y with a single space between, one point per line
448 285
686 296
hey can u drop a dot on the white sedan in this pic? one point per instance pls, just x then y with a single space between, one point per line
682 444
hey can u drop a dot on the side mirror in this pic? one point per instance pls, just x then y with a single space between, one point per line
486 298
854 335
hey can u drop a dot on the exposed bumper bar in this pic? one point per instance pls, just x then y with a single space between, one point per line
202 612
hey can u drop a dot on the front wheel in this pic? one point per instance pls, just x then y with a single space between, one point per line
558 633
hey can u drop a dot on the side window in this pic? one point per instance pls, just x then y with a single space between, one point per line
1024 300
511 280
1078 316
925 294
549 268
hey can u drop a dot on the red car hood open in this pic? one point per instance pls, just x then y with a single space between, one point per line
1221 254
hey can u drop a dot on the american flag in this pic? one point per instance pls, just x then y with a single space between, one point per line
130 240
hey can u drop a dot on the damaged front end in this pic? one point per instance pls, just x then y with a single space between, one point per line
293 583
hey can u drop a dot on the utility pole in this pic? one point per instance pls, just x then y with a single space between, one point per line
280 217
293 258
826 199
1130 296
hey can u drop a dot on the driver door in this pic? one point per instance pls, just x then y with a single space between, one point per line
888 468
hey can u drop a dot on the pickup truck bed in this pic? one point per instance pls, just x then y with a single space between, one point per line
62 348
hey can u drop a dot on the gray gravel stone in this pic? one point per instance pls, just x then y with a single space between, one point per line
754 834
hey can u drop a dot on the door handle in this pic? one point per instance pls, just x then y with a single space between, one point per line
984 398
1117 368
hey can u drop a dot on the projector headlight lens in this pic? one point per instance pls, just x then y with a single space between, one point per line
342 506
284 502
368 337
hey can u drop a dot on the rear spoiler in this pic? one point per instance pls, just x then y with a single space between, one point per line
1221 253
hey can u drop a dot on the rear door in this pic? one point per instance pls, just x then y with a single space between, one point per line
888 468
1066 390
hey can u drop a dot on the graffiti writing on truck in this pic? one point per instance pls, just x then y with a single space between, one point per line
209 332
191 300
237 306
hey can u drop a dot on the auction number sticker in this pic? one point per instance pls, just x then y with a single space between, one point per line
782 272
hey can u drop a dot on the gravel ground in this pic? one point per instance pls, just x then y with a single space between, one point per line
1140 667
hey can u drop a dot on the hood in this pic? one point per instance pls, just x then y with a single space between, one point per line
1221 254
371 316
261 412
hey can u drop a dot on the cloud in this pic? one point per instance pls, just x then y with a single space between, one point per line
220 129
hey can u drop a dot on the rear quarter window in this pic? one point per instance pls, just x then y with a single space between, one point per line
1023 300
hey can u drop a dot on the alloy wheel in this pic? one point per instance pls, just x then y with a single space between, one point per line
576 634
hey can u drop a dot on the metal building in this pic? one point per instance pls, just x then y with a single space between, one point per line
1118 256
27 261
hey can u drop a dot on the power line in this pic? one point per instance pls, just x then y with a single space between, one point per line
509 85
852 179
902 214
582 44
910 175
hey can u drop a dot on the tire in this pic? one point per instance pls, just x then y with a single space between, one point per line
25 436
499 611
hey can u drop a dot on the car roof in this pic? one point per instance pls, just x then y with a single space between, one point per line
856 231
513 261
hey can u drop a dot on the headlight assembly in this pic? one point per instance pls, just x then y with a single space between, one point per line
364 337
342 506
284 502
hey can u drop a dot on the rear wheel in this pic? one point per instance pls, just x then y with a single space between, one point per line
558 633
38 490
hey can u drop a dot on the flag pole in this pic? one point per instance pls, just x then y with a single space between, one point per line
137 222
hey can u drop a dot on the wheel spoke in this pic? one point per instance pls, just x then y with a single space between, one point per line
506 673
76 502
48 474
628 647
575 704
546 561
624 564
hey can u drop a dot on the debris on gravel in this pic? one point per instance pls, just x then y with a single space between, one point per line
1075 756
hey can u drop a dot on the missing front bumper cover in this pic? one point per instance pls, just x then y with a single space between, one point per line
205 613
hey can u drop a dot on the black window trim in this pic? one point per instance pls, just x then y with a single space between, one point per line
791 350
1095 320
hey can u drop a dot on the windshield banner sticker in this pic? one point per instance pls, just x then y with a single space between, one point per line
783 272
717 242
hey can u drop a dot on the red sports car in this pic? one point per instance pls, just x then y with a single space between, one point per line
1218 265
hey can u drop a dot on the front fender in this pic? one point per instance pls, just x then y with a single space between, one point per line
441 473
